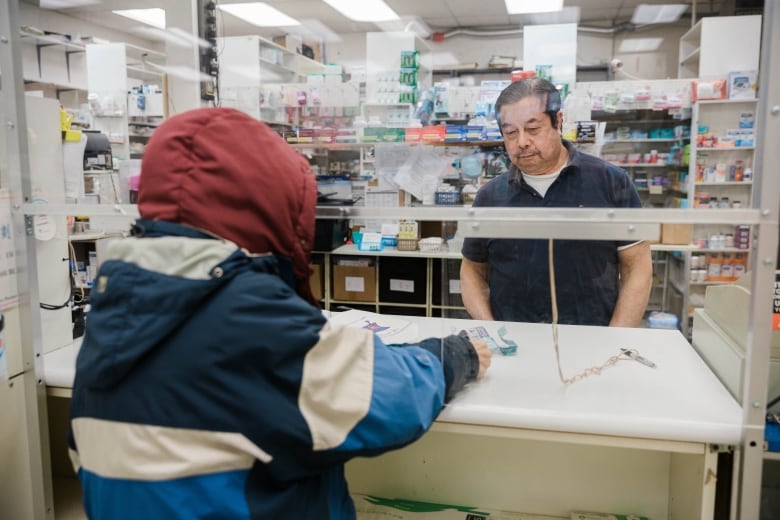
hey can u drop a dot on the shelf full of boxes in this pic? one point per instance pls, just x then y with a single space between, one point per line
125 103
721 177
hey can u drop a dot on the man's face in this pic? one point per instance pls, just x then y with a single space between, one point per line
531 141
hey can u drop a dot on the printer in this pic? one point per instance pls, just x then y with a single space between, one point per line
97 153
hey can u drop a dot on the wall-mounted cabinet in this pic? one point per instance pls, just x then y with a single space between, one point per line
249 63
125 98
718 45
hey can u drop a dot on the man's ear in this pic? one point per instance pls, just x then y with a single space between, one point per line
559 119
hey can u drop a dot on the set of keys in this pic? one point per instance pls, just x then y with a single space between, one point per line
633 354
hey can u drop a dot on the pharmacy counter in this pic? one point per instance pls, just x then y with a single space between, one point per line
633 439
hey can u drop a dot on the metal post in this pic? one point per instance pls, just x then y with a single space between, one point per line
767 200
12 103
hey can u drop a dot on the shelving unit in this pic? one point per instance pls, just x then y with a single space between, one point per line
632 153
398 282
113 69
53 61
720 117
708 49
252 70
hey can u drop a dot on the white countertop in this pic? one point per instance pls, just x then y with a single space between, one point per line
59 366
680 400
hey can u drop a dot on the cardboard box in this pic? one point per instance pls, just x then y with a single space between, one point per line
680 234
354 283
377 508
315 281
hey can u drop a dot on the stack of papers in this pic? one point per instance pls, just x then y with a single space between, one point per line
392 330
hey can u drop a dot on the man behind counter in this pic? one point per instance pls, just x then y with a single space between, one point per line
602 282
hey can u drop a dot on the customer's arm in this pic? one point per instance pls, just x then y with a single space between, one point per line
474 289
636 278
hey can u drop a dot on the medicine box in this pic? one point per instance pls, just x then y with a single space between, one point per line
742 84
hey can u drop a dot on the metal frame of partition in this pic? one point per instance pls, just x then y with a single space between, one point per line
494 222
18 182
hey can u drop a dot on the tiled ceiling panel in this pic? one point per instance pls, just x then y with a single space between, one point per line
441 15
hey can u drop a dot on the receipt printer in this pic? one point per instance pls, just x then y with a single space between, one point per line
97 154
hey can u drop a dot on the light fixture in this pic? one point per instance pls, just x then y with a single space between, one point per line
661 13
565 15
154 16
259 14
64 4
639 45
174 36
532 6
407 24
364 10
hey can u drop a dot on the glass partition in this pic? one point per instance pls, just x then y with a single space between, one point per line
629 344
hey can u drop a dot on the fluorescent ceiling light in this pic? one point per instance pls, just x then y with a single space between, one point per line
565 15
174 36
64 4
364 10
259 14
640 44
661 13
154 16
532 6
407 24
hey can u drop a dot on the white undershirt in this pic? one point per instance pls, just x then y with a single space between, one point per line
541 183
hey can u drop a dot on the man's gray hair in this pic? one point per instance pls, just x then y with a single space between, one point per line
528 87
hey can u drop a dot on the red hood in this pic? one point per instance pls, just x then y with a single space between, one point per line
219 170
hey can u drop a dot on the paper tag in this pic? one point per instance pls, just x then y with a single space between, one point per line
402 285
454 286
355 283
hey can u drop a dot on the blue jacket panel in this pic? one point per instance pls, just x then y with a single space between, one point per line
206 387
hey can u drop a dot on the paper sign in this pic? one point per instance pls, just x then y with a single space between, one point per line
402 285
355 283
454 286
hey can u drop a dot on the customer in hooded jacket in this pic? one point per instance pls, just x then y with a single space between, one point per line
209 384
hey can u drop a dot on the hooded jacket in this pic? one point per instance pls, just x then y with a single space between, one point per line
208 384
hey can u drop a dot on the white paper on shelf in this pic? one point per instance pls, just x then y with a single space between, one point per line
419 174
73 163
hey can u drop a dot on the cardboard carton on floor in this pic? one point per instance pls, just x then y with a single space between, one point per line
580 515
376 508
